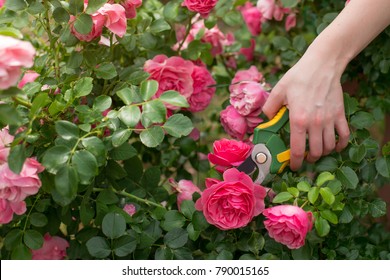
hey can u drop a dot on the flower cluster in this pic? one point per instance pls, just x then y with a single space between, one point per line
203 7
53 248
14 188
273 9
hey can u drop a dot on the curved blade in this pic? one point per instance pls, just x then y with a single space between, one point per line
248 166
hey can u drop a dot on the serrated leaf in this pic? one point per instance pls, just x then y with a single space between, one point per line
66 182
322 226
176 238
303 186
124 245
282 197
113 225
159 25
347 177
173 219
55 158
40 101
327 195
16 158
130 115
178 125
323 178
346 216
382 164
83 24
102 103
148 89
33 239
60 15
123 152
106 71
377 208
153 112
174 98
152 137
362 120
94 5
86 166
98 247
357 153
329 216
120 136
83 87
67 130
313 194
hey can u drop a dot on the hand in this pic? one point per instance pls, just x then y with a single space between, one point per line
312 92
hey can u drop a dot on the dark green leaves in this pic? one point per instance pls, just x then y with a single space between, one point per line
178 125
347 177
114 225
83 24
152 137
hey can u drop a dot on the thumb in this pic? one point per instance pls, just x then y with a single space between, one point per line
273 104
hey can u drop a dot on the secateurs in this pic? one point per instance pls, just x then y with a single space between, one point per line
269 154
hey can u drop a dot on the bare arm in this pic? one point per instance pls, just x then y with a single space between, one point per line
311 89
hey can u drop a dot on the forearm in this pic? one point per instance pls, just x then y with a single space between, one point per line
352 30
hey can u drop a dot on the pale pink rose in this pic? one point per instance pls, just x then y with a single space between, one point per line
291 21
98 21
16 187
266 7
115 15
8 208
172 73
14 54
130 209
5 141
228 153
203 89
252 17
234 124
288 224
233 202
279 12
185 189
203 7
249 75
248 98
249 52
54 248
130 7
2 2
28 77
217 40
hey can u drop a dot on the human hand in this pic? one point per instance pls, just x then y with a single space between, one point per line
312 92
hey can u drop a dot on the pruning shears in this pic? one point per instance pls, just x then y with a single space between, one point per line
270 154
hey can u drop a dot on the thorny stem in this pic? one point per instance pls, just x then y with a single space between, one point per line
187 33
52 40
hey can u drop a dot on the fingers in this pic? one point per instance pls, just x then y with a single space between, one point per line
316 145
297 141
273 104
343 132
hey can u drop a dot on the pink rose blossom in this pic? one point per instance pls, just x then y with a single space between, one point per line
228 153
249 52
288 224
203 7
54 248
185 189
98 21
28 77
174 73
14 54
203 92
252 17
130 7
115 15
250 75
16 187
130 209
8 208
266 7
5 141
2 2
291 21
248 98
233 202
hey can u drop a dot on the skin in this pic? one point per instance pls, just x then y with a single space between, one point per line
311 89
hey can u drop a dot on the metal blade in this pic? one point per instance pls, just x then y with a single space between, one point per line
248 166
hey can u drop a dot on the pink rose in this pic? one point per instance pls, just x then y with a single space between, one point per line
250 75
174 73
54 248
266 7
231 203
5 140
16 187
252 17
248 98
202 92
185 189
249 52
217 40
8 208
288 225
291 21
130 7
28 77
228 153
203 7
130 209
14 54
115 15
98 21
2 2
234 124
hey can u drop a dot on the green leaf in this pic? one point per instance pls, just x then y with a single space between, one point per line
153 112
159 25
173 219
16 158
83 86
303 186
87 212
282 197
382 164
98 247
377 208
152 137
15 5
83 24
61 15
176 238
322 227
66 182
313 194
323 178
171 10
357 153
293 191
123 152
125 95
347 177
147 40
187 207
178 125
362 120
329 216
174 98
113 225
102 103
11 32
346 216
335 186
149 235
137 77
192 233
106 71
289 3
199 221
67 130
107 196
13 239
94 5
21 252
130 115
38 219
299 43
281 43
86 166
55 158
120 136
350 104
124 245
33 239
40 101
386 149
327 195
163 253
9 115
96 147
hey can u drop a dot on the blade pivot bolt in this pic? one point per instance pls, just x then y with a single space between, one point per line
261 158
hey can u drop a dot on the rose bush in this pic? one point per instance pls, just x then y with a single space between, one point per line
122 124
